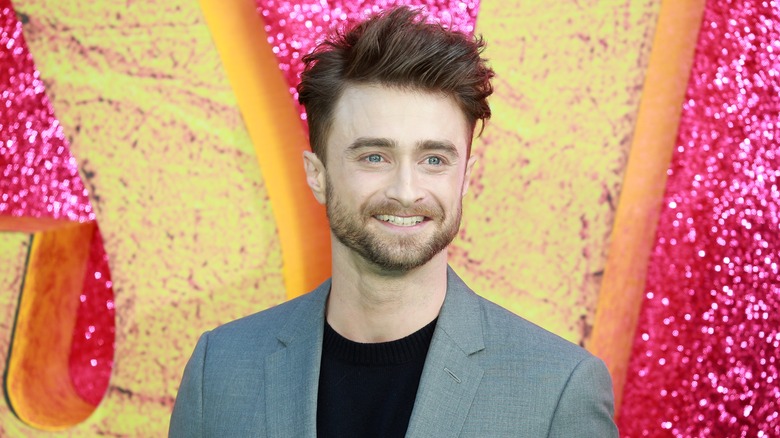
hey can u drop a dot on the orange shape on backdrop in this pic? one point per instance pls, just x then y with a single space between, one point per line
633 233
39 385
278 137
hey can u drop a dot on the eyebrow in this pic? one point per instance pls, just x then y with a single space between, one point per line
369 142
381 142
438 145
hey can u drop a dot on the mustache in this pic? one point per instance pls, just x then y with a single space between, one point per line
395 209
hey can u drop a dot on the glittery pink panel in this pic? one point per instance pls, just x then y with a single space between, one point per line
91 358
40 177
295 27
40 180
705 359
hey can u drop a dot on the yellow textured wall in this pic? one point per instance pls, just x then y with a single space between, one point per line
537 222
183 208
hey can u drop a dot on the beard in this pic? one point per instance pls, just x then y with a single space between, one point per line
384 250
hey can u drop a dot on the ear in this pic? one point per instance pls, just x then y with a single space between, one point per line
467 175
315 175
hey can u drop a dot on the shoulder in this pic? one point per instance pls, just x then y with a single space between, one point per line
506 337
225 374
506 330
568 389
555 388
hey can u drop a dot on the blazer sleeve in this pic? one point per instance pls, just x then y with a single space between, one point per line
586 406
187 417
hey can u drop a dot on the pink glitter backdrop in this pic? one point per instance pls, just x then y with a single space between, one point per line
92 354
40 179
705 359
295 27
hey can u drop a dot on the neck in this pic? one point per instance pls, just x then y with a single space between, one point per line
369 305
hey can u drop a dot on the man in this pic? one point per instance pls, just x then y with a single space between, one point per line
394 344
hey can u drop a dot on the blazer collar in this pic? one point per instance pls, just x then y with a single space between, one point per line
461 315
451 376
292 373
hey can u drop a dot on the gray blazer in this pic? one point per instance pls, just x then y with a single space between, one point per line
488 373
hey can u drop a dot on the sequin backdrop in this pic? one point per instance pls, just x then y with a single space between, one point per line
705 358
40 177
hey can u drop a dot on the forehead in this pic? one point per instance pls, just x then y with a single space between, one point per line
407 117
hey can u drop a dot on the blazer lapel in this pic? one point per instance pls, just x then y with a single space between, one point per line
451 375
292 373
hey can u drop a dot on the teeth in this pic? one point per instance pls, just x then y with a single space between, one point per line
401 221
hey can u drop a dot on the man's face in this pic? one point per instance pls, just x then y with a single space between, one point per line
396 173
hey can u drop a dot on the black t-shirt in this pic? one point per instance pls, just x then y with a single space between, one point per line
368 390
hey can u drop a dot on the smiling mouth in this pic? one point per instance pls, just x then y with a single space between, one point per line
401 221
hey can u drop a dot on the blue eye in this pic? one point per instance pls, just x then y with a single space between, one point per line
435 161
374 158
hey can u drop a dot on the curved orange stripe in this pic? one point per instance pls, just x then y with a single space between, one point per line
633 233
278 136
40 389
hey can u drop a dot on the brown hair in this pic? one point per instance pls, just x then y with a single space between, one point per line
395 48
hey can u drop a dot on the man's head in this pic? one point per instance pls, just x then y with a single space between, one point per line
393 105
397 49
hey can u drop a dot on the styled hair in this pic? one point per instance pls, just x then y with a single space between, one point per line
395 48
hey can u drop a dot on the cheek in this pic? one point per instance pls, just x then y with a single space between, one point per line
365 186
451 189
447 195
354 197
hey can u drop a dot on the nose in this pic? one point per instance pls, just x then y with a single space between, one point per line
405 187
